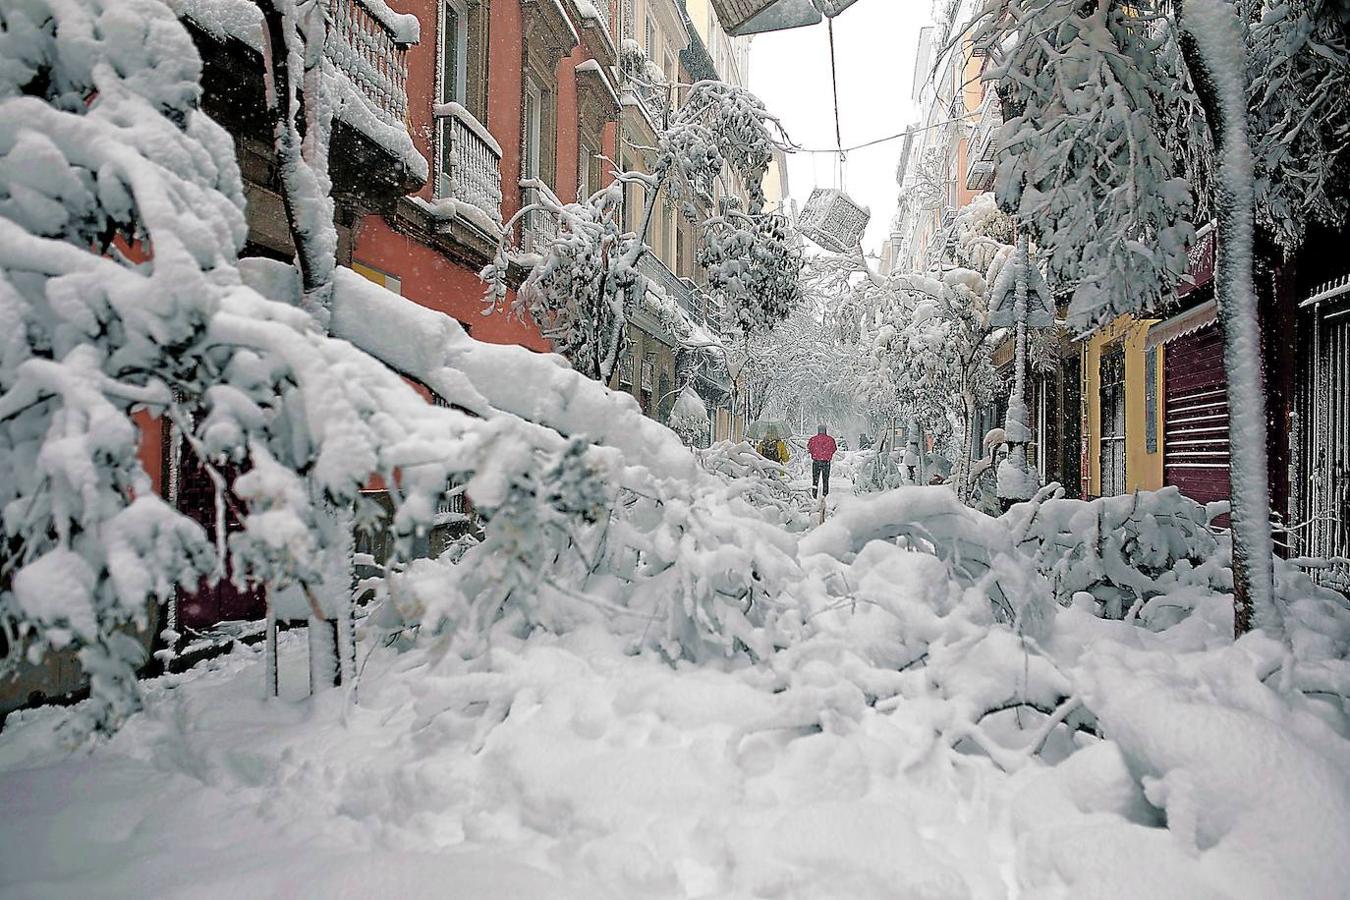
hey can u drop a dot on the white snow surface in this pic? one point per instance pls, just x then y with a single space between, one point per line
846 765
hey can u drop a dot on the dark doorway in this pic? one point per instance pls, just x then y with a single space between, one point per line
214 600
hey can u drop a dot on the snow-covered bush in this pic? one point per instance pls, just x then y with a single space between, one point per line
764 484
978 549
583 286
687 569
1123 550
689 417
876 470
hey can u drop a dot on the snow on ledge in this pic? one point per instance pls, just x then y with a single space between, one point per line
449 209
405 27
593 68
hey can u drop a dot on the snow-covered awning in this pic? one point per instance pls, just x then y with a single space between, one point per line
1182 324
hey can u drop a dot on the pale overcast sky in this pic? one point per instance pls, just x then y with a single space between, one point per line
875 43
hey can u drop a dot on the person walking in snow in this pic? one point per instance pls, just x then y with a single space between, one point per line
822 449
772 448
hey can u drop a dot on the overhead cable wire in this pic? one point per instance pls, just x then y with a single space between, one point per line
892 137
834 85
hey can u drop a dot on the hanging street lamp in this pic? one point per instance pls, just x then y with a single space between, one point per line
741 17
833 220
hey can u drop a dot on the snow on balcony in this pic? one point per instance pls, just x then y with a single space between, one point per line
366 46
468 172
981 147
369 45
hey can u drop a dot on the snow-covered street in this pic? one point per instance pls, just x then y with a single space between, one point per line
611 776
843 767
412 415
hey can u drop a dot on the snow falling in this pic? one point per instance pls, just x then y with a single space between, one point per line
431 467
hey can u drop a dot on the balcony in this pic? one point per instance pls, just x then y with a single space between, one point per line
982 146
680 290
538 227
372 52
372 160
651 99
594 19
468 168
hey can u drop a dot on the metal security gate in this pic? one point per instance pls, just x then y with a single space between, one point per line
1195 416
1320 491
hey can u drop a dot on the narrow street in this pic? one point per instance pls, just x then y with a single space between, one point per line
675 449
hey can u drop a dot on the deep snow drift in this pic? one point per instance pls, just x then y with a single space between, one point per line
888 750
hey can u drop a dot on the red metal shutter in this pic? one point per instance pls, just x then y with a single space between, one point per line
1195 434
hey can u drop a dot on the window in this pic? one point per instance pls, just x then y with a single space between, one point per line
651 39
587 183
453 44
453 47
534 126
1112 417
531 160
632 200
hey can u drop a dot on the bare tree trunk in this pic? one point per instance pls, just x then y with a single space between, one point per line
1213 45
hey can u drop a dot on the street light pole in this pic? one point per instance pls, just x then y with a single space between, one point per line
1015 482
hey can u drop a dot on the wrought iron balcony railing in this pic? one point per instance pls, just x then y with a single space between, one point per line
680 290
981 147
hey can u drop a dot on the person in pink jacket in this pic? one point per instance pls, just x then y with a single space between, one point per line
822 449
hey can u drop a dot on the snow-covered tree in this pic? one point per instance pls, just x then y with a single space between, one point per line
120 208
583 285
121 215
1090 161
300 106
801 368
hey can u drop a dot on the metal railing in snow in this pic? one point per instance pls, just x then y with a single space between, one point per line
469 161
369 53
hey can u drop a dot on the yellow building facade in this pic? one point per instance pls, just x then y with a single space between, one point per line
1122 409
